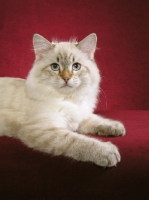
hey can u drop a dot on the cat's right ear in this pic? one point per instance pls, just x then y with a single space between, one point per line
41 45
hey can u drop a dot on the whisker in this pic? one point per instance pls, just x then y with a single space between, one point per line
104 77
104 95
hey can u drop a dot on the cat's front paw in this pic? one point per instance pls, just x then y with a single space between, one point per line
108 156
113 128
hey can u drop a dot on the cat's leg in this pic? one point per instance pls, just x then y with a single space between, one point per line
59 141
98 125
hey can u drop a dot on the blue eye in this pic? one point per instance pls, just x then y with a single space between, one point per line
55 67
76 66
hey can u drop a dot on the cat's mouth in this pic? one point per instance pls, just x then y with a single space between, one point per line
66 86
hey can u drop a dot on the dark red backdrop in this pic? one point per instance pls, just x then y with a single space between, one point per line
123 38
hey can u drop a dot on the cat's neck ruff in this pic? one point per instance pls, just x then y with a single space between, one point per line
38 93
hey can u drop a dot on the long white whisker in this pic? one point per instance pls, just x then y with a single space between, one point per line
104 95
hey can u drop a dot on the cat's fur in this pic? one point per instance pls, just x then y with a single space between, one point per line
52 109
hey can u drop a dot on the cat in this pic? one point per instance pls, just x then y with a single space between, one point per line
52 110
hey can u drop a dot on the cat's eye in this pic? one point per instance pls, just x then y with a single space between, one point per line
76 66
55 67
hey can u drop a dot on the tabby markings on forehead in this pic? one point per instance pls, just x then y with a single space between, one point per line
65 57
60 56
63 60
73 59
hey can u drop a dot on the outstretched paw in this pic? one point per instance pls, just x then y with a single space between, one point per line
109 155
111 128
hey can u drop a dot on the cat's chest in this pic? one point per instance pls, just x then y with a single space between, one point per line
74 108
73 113
63 113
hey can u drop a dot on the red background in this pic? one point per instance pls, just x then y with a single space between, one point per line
122 28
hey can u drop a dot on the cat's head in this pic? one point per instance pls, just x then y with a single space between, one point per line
64 66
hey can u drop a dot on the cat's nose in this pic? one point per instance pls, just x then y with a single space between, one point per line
66 79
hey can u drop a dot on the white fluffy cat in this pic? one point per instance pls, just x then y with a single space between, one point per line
52 109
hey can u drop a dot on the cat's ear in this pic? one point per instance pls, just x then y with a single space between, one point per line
88 45
41 45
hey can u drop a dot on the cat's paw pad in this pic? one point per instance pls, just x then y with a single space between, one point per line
114 128
109 155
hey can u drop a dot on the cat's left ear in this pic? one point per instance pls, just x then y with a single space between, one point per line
88 45
41 45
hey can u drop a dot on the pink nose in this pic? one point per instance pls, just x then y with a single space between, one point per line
66 79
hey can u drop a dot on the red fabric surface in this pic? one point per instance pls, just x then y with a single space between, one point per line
30 175
122 28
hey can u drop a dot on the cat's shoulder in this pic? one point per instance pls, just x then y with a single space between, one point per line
11 81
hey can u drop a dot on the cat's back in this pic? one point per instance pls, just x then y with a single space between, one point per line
10 89
10 80
7 84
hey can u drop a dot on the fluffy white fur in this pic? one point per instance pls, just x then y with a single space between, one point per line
52 108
